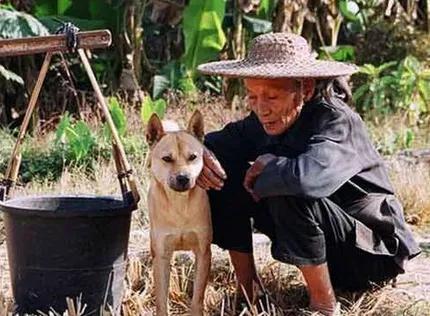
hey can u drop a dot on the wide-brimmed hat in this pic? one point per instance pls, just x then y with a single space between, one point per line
279 55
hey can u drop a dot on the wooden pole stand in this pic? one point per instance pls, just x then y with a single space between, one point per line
53 43
57 44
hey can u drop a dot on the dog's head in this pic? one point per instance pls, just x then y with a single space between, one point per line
176 157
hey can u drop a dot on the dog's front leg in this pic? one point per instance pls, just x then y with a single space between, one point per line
161 269
203 264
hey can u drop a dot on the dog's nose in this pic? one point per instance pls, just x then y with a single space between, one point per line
182 180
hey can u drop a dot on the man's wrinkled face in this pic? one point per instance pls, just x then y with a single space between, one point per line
277 102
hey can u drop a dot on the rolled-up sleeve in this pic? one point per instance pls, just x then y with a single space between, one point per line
329 160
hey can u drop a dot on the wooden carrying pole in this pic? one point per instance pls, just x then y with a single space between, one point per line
15 160
53 43
57 44
117 145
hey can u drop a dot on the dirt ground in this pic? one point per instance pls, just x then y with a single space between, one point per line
411 288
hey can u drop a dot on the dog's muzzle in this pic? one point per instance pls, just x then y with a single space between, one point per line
180 183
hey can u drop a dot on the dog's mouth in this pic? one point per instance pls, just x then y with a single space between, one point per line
179 189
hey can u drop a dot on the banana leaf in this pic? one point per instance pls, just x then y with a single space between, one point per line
52 22
266 8
204 36
51 7
87 15
15 24
257 25
10 75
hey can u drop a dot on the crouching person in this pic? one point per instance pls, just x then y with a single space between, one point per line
301 165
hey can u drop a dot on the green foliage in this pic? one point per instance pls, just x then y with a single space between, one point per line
60 133
80 141
407 138
118 116
10 75
173 76
149 106
265 10
414 84
73 146
257 25
38 164
76 139
388 89
187 86
360 15
51 7
377 92
6 145
349 9
15 24
52 22
135 146
87 15
338 53
381 33
204 36
162 83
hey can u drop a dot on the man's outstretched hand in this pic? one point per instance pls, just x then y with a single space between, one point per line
254 171
212 175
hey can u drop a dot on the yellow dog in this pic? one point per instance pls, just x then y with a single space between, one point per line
179 210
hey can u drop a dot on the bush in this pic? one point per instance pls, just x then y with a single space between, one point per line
38 161
47 162
395 86
383 42
74 145
39 165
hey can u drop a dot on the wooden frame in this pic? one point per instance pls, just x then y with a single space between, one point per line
56 44
53 43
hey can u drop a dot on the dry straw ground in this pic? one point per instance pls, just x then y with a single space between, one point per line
284 285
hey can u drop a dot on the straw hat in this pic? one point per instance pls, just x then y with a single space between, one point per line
279 55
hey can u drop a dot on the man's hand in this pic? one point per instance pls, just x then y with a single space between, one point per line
254 171
212 175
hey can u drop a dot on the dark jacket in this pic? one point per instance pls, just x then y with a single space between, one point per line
327 153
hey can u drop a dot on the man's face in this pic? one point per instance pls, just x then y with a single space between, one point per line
277 102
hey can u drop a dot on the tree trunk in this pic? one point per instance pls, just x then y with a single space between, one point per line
281 21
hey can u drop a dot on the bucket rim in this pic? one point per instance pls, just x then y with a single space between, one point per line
113 205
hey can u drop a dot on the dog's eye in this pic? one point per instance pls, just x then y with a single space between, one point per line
167 159
192 157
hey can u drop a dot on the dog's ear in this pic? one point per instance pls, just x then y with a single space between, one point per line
154 130
196 125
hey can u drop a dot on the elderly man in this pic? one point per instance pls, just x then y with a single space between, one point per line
316 186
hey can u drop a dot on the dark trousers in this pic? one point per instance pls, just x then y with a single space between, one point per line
302 231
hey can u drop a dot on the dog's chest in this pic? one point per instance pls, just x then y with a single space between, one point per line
178 224
170 240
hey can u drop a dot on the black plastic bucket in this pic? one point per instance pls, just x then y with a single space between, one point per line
67 246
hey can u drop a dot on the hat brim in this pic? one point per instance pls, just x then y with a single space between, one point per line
267 70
